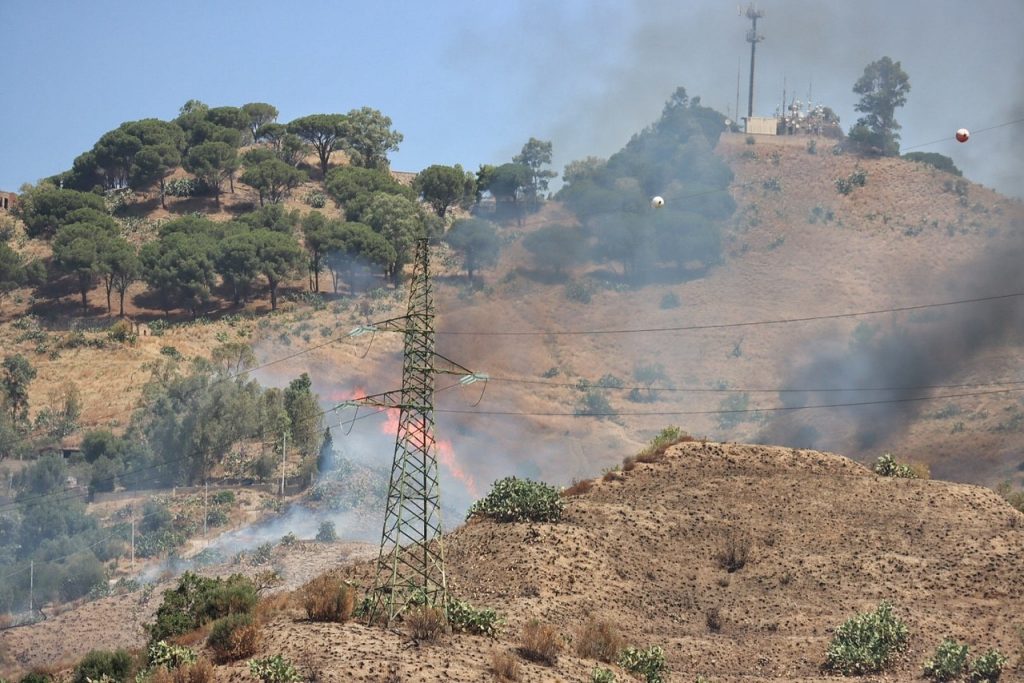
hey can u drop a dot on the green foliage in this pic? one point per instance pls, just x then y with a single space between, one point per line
304 415
117 666
18 374
443 187
556 247
326 532
594 402
322 131
867 642
987 667
179 269
939 161
212 163
45 209
463 617
259 114
883 87
478 242
670 300
649 663
948 662
886 466
198 600
12 270
535 155
578 290
223 498
519 500
184 187
169 656
273 179
601 675
274 669
368 137
315 199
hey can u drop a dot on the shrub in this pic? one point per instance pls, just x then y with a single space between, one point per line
667 437
36 677
224 498
262 554
234 637
326 532
216 517
595 403
171 352
812 146
316 199
326 598
539 643
750 140
578 291
198 600
670 300
519 500
886 466
505 667
948 662
735 552
425 623
168 656
649 663
274 669
939 161
598 640
599 675
463 617
713 619
117 666
123 332
988 667
578 488
867 642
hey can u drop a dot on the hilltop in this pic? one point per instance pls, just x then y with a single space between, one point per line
827 539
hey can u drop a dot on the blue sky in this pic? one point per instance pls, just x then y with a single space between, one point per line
469 82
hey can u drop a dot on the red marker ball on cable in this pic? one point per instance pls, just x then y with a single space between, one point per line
962 135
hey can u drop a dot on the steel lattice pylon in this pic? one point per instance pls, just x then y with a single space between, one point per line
410 566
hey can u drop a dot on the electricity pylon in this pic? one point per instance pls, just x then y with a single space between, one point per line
410 565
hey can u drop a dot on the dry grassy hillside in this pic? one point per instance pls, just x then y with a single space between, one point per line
641 549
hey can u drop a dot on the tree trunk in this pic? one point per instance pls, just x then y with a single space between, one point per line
121 293
273 294
163 201
85 305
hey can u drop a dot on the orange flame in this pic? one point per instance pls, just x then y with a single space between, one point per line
445 453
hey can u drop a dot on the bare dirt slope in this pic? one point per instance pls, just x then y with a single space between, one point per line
828 539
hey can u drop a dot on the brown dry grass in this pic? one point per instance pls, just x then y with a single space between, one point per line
326 598
578 488
199 671
237 642
505 667
425 623
540 642
600 640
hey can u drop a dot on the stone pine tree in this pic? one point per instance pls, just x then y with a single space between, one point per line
325 461
18 373
882 88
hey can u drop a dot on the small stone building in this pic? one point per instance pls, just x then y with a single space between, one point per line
7 200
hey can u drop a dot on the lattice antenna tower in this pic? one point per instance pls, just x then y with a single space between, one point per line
410 564
753 37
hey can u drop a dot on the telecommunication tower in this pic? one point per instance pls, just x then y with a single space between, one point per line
753 37
410 564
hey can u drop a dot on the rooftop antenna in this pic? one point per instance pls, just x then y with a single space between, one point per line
739 61
410 564
753 37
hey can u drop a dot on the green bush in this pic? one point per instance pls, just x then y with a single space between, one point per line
117 666
326 532
216 517
988 667
939 161
649 663
36 677
670 300
594 402
599 675
169 656
316 199
948 662
519 500
198 600
578 291
463 617
867 642
274 669
224 498
886 466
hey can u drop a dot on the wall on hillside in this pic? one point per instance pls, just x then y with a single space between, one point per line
7 201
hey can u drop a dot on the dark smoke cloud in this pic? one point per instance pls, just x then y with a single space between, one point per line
591 74
908 351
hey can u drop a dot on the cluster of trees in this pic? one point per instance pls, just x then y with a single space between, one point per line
673 157
883 87
191 419
206 141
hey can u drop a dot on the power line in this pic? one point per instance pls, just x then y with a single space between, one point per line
750 390
973 132
726 412
719 326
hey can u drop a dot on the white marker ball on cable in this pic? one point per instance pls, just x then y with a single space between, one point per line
962 135
657 202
